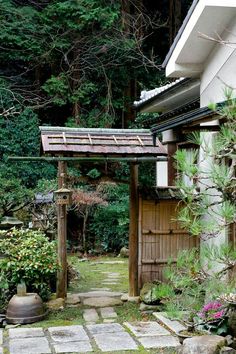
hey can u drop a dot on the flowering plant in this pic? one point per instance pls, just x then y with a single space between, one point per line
213 317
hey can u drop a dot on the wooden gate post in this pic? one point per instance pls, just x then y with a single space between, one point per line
133 231
62 236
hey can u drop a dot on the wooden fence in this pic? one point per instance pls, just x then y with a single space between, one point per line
160 238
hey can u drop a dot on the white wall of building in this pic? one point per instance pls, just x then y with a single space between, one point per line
219 68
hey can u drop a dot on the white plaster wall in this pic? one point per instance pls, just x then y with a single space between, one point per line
220 68
162 174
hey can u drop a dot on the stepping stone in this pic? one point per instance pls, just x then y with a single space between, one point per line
173 325
108 262
90 315
68 333
159 342
102 301
115 341
109 320
1 350
100 293
111 274
105 328
37 345
146 329
1 336
73 347
25 332
100 289
109 283
72 300
108 312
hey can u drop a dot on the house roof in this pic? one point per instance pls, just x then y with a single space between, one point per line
83 142
150 95
169 97
206 20
195 116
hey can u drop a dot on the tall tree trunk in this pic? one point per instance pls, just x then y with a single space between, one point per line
175 20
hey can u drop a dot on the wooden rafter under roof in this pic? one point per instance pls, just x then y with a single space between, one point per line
79 142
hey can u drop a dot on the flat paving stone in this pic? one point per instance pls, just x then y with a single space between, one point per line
115 341
109 283
146 329
174 325
68 333
25 332
159 342
100 289
102 301
105 328
108 262
100 293
90 315
37 345
1 336
112 273
108 312
73 347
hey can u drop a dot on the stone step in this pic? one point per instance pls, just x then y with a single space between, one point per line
174 325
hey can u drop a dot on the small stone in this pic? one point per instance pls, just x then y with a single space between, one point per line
29 346
73 300
124 297
1 350
108 312
73 347
1 336
159 342
109 320
229 340
68 333
102 302
227 350
134 299
25 332
207 344
56 304
144 329
124 252
90 315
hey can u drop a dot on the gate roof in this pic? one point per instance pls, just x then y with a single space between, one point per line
79 142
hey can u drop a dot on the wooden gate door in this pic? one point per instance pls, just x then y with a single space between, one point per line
160 238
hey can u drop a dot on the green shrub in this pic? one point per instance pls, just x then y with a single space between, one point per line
28 256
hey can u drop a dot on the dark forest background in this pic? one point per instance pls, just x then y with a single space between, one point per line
77 63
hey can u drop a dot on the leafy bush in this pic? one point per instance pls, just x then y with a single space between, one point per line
28 256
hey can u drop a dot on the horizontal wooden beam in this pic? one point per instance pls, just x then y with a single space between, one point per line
85 159
158 261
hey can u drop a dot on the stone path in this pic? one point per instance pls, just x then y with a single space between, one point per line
98 338
94 337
